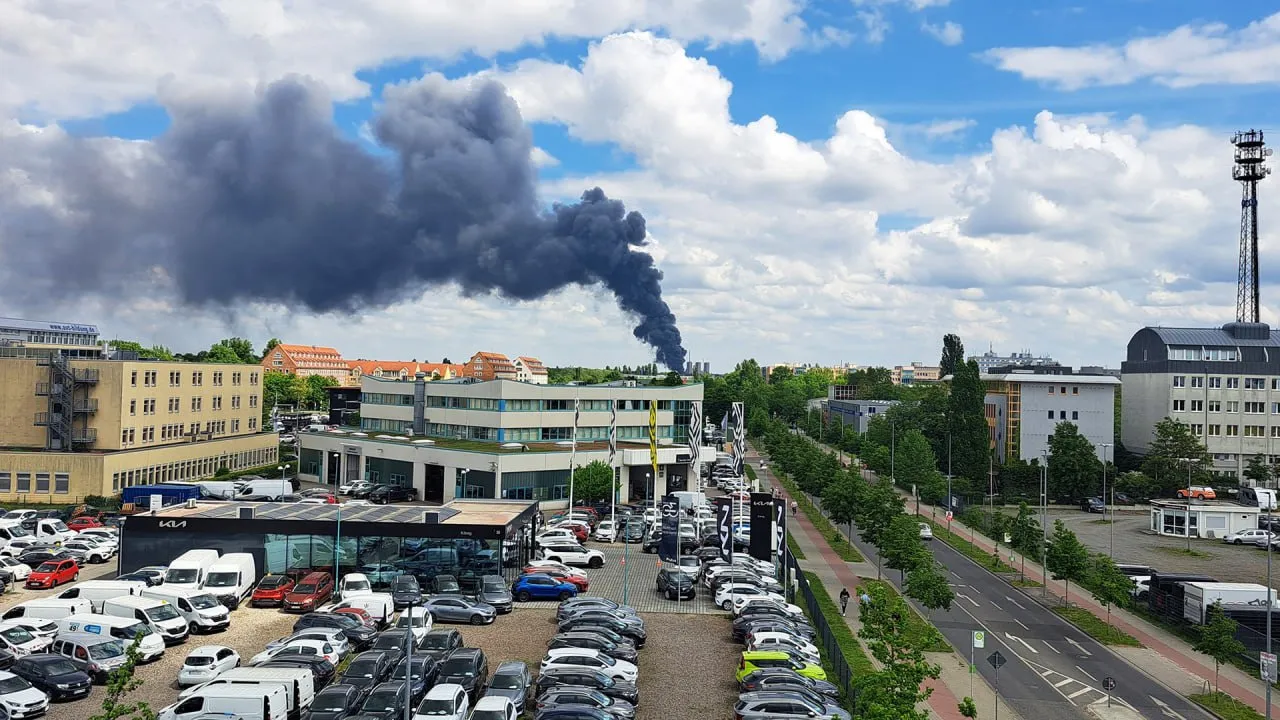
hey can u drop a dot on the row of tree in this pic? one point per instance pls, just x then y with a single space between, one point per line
230 351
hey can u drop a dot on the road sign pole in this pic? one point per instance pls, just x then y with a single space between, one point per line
995 701
1108 684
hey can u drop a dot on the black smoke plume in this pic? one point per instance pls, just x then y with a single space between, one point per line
269 202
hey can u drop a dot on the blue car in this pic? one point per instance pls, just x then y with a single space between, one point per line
539 586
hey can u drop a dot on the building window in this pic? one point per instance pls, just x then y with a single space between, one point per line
61 483
196 402
1233 406
1275 431
217 402
253 401
197 378
217 378
1215 430
1255 383
1197 406
1256 408
6 482
1075 390
1062 414
1233 430
24 482
1254 431
253 423
235 378
235 425
253 378
133 379
1179 405
133 407
1179 381
235 402
1215 406
175 379
1197 382
1050 414
1233 383
1197 430
1215 382
1075 415
1050 389
42 483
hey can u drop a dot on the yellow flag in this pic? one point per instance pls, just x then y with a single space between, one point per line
653 437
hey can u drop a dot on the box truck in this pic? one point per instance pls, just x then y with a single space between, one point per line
1198 597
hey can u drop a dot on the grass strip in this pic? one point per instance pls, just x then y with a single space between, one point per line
1026 583
922 634
1225 706
1183 552
968 549
834 537
1096 628
853 653
794 548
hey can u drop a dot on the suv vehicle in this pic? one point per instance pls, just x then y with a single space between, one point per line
594 641
383 494
440 643
356 632
572 554
675 583
635 633
784 704
467 667
271 590
753 660
1093 505
585 678
313 590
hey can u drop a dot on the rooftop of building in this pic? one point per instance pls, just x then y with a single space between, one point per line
1229 335
1049 379
45 325
314 349
483 446
458 512
474 382
1225 505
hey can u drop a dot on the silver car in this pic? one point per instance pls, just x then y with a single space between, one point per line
460 609
787 704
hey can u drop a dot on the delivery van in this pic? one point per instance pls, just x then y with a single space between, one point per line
159 615
100 654
48 609
98 591
271 488
190 569
201 610
242 702
231 578
126 629
299 685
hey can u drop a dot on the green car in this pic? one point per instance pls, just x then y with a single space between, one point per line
753 660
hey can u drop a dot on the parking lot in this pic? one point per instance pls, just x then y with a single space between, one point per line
629 576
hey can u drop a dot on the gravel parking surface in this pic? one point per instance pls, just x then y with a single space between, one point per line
687 668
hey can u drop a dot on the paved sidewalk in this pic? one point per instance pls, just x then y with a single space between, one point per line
1185 668
953 683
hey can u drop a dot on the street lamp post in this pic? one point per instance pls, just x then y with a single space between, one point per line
1112 551
337 543
948 481
408 666
463 472
1044 525
1186 521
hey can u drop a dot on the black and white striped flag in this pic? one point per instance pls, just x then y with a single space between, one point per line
739 439
695 431
577 414
613 431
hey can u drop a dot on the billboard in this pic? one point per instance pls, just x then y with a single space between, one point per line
724 518
669 544
761 546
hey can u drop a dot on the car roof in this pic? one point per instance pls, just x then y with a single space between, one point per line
444 631
557 652
536 575
370 655
468 653
508 666
445 691
762 695
764 655
338 688
493 702
205 650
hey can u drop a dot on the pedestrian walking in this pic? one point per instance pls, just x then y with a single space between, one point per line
794 508
844 600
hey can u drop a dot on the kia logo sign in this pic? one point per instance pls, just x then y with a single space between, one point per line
173 524
762 503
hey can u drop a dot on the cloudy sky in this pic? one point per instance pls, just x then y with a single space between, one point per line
825 181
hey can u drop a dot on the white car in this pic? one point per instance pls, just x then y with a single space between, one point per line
742 603
787 643
206 663
40 627
416 619
92 553
102 543
729 593
1253 536
333 636
107 535
20 641
605 532
20 571
19 698
574 657
495 707
447 701
314 648
555 535
554 565
652 515
345 488
571 553
926 532
762 567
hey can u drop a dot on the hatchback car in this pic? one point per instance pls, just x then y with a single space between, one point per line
440 643
753 660
336 702
359 634
594 641
53 573
387 701
586 678
312 648
206 663
425 671
590 659
394 643
785 643
926 531
783 679
542 587
675 584
461 609
271 590
579 696
405 591
58 677
569 608
495 707
83 522
446 701
366 671
467 667
635 634
511 681
581 582
310 593
20 699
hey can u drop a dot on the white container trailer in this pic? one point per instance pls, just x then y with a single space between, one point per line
1200 596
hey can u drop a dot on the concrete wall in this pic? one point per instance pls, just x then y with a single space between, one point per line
19 403
1145 401
1092 410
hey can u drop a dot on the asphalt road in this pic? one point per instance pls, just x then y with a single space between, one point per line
1052 669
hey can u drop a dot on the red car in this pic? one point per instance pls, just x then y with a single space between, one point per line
83 522
53 573
271 590
578 581
311 592
579 531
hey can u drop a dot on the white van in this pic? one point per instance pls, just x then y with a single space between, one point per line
190 569
54 531
272 488
380 606
13 530
299 685
1264 498
126 629
98 591
20 641
243 702
47 609
159 615
231 578
201 610
353 584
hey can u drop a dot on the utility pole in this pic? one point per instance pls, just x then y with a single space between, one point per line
949 503
1112 552
1044 526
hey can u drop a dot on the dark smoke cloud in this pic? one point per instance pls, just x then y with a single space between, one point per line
268 202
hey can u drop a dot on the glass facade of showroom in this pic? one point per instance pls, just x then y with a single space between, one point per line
397 543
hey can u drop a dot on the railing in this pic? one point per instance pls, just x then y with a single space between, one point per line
85 435
43 418
43 389
85 375
85 406
843 674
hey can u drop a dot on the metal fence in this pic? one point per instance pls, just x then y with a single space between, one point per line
842 674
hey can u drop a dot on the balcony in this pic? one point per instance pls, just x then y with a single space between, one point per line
43 389
85 375
43 418
85 406
86 436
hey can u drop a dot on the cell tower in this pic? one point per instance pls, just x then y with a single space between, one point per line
1250 167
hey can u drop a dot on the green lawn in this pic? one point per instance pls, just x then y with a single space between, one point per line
1226 707
1183 552
968 549
1096 628
853 653
794 548
924 636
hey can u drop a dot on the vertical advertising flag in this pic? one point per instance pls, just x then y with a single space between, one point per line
695 434
780 528
669 542
739 439
724 529
577 415
653 442
613 431
761 545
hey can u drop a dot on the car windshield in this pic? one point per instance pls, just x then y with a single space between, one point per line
362 668
489 715
130 632
409 621
399 672
182 576
58 667
13 685
298 650
381 701
305 589
506 681
16 635
435 641
356 585
222 579
199 661
494 585
162 613
389 641
329 703
457 667
203 602
436 707
47 567
271 583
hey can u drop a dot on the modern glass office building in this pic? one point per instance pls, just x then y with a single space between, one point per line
466 538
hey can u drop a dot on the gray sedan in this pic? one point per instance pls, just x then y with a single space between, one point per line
460 609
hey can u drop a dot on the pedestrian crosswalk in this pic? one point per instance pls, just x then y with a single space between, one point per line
1075 690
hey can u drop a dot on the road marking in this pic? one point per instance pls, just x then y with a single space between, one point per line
966 597
1064 682
956 585
1164 708
953 572
1078 693
1046 673
1024 626
1015 602
1046 643
1086 673
1079 647
994 605
1024 642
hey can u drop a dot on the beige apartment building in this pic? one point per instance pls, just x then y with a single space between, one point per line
76 427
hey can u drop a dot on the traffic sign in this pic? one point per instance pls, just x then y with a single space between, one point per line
996 660
948 516
1108 683
1267 666
1008 538
979 639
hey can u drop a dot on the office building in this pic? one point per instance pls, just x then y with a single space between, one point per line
989 361
505 439
530 370
855 415
76 427
491 366
31 338
1024 408
1224 383
915 374
307 360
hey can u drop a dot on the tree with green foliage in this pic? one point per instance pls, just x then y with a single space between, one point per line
593 482
901 547
1166 459
840 500
967 421
238 348
1074 469
952 354
1259 471
927 585
915 464
671 379
120 684
880 505
317 391
1067 558
898 688
222 354
874 383
281 388
1025 535
1108 585
968 708
1137 485
1217 639
155 352
271 345
780 375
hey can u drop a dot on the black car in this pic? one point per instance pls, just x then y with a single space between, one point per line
512 681
386 701
593 679
467 667
336 702
359 634
366 671
1093 505
394 643
445 585
384 494
593 641
148 578
572 712
577 697
321 669
651 543
425 672
60 678
33 558
6 659
675 584
405 591
494 591
634 633
632 532
439 644
784 678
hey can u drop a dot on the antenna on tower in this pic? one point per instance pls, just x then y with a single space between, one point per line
1250 167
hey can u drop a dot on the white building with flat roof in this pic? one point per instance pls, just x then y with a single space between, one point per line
1024 409
31 338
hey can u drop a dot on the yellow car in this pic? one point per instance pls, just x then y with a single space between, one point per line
753 660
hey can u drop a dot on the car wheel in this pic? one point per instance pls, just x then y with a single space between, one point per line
671 595
477 619
523 596
726 606
595 562
1238 542
565 595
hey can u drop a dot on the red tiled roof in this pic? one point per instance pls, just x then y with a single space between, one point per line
533 365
